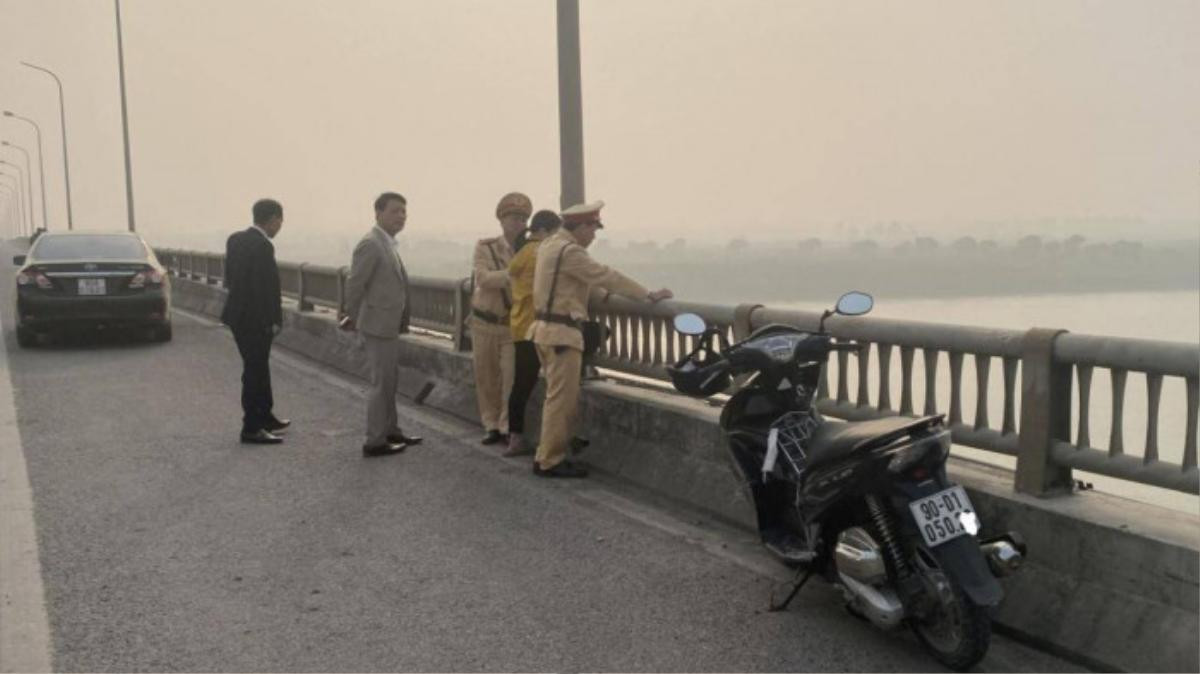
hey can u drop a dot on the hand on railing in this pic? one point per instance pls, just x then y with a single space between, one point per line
660 295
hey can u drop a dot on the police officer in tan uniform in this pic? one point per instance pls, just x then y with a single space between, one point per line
491 302
562 282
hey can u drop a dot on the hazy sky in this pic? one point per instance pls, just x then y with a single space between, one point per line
706 119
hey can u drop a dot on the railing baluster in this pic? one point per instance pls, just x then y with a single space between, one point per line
1083 437
1010 396
635 344
843 389
1116 439
647 331
956 361
614 341
1153 395
657 325
906 386
885 385
823 382
930 356
1189 442
864 375
624 352
983 368
671 337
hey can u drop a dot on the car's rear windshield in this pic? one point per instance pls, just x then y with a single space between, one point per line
89 247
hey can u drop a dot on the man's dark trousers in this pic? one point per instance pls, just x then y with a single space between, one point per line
257 401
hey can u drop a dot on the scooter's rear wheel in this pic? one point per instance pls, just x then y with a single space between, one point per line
956 631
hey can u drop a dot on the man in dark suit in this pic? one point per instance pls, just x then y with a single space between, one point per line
254 312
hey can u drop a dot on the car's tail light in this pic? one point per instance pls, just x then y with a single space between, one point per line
150 276
34 276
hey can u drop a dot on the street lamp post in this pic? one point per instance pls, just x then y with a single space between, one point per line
124 119
62 113
17 180
570 105
28 178
41 160
13 212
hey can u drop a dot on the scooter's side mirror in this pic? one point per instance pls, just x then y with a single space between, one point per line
854 304
690 324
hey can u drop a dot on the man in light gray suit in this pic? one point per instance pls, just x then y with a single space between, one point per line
377 307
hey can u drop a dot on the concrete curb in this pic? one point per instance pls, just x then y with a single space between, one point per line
1109 582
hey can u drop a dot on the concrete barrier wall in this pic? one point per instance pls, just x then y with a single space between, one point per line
1110 582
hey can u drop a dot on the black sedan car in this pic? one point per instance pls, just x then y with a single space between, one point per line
82 280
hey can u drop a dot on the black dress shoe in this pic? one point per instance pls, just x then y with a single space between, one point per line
276 425
561 469
402 439
492 437
386 449
261 437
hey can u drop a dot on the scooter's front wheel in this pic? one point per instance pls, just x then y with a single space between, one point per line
954 630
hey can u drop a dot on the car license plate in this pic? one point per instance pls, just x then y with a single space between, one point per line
944 516
91 286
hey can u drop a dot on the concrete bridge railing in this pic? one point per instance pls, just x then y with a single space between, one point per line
1054 370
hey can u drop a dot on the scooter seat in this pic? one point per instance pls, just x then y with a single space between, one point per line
836 439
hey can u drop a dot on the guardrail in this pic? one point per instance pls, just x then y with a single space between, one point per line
1032 421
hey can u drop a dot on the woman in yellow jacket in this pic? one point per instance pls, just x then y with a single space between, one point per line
526 364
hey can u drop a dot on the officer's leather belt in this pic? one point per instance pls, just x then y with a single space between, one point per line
561 319
489 317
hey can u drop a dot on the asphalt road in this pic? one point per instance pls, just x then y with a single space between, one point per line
166 545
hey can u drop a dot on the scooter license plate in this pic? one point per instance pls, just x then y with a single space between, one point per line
944 516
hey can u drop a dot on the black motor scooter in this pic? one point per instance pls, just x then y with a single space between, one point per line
865 505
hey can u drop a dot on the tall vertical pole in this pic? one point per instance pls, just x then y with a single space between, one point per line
13 210
18 181
41 160
28 181
570 105
125 120
62 116
41 172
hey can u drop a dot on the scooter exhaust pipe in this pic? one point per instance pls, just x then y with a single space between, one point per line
1002 556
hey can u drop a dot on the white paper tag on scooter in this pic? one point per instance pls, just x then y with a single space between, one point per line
772 453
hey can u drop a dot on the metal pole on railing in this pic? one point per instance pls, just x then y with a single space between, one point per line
341 289
462 301
303 303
